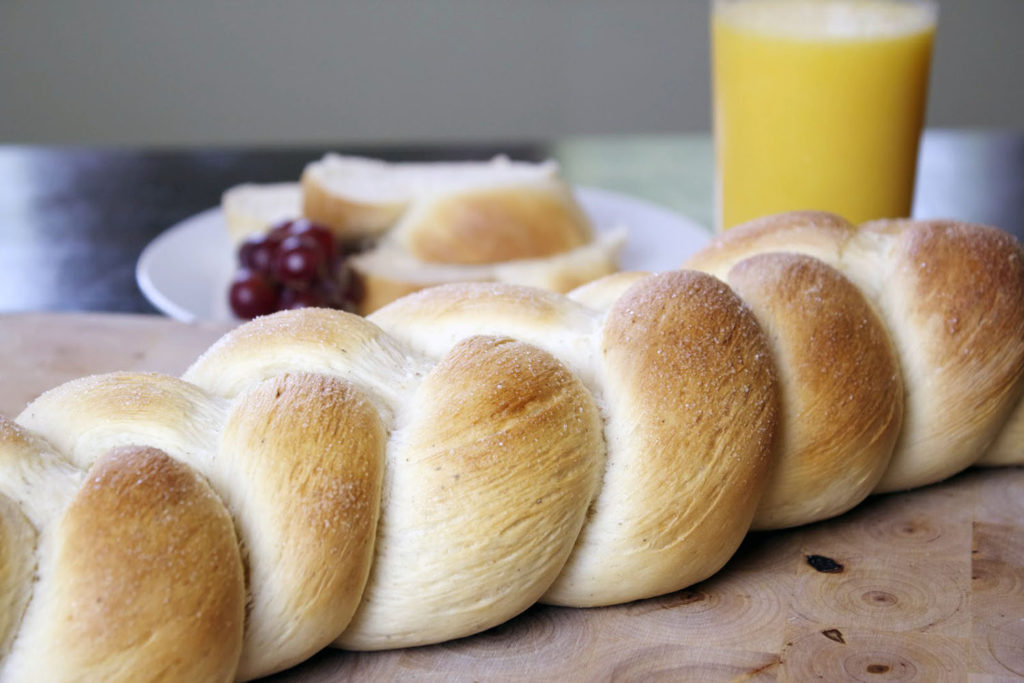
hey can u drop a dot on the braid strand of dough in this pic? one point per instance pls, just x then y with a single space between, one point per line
317 478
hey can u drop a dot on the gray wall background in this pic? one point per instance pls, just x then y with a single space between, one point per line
256 71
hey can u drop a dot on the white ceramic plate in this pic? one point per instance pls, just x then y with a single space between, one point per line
185 271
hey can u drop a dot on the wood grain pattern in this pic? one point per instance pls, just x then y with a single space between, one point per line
923 585
38 351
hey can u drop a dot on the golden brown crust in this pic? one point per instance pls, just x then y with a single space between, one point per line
308 340
948 293
815 233
842 398
254 456
436 319
954 294
584 451
493 224
147 577
691 409
491 481
316 443
347 219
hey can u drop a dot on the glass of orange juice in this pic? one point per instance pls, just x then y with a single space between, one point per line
818 104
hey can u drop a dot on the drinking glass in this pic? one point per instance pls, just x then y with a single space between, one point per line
818 104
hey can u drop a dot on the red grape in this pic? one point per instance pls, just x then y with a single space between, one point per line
298 261
295 264
252 294
246 250
258 253
324 238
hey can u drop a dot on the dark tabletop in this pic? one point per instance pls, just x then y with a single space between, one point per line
73 221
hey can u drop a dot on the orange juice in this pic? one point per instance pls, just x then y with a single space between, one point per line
818 104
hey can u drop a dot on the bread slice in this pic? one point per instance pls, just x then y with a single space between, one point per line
386 273
357 197
434 223
253 209
479 225
445 212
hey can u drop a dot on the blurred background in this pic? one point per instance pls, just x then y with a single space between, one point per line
193 72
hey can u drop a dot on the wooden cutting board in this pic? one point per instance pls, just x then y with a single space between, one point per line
924 585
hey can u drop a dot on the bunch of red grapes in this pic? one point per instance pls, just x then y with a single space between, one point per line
295 264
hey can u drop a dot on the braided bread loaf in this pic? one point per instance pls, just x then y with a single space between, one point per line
432 471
